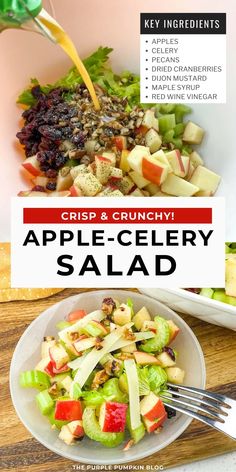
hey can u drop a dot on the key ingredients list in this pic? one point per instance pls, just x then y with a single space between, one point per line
183 57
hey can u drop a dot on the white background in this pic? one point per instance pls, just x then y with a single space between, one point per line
199 266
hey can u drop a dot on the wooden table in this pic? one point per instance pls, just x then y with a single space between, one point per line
20 452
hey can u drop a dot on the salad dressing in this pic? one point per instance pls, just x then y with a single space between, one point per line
63 40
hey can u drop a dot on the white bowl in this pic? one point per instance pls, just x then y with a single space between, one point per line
27 354
206 309
25 55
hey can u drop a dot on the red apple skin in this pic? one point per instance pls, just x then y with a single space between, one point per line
141 130
174 330
151 171
79 431
64 368
102 158
68 410
75 191
120 142
151 426
114 418
143 358
49 369
156 411
31 169
180 163
76 315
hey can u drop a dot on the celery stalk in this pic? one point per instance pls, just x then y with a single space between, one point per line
44 402
166 123
34 379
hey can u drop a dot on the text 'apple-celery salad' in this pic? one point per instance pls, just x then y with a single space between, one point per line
227 294
104 376
123 149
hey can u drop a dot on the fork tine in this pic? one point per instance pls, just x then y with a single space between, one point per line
215 416
196 416
199 400
214 396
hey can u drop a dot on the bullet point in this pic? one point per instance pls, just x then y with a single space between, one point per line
146 96
146 60
146 50
146 87
146 69
146 78
146 41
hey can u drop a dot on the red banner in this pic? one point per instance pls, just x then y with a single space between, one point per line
117 215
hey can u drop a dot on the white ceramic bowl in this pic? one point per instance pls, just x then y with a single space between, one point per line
27 354
206 309
25 55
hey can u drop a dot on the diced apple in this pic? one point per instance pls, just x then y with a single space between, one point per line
120 142
152 188
45 346
32 193
66 435
80 169
193 134
122 314
196 159
153 425
154 171
190 171
175 375
124 165
116 174
112 417
165 360
40 180
64 182
58 356
136 193
143 358
43 364
125 185
174 330
111 156
152 407
149 326
153 140
89 184
76 428
205 179
174 185
179 164
138 179
84 344
66 383
148 119
141 316
230 276
75 191
160 156
32 165
130 348
103 169
135 158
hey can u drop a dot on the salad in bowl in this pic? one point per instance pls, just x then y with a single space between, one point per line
124 149
103 375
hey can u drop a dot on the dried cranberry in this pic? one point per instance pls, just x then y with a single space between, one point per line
49 132
170 352
38 188
36 91
51 186
51 173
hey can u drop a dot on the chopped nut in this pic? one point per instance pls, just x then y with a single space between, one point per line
128 334
158 430
73 336
53 389
100 378
48 338
112 367
98 343
125 355
108 305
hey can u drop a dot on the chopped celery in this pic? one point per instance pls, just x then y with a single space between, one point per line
34 379
44 402
180 111
169 136
130 304
112 391
186 150
207 292
59 378
179 129
161 338
220 296
136 434
53 421
93 431
144 388
75 391
166 123
166 108
93 398
62 324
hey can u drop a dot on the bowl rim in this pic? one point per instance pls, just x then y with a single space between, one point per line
154 450
230 309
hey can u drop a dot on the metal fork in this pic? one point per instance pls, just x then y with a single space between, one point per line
213 409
